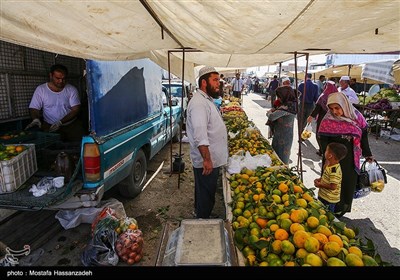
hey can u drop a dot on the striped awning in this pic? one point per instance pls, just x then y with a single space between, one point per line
380 71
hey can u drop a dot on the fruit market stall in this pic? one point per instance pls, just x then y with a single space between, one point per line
275 219
381 110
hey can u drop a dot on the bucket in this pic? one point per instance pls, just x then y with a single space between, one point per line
178 165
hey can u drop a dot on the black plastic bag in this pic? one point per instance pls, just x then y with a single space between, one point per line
101 250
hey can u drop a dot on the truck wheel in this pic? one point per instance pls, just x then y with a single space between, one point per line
132 185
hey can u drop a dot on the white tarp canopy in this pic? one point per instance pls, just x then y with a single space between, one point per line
381 71
375 72
228 33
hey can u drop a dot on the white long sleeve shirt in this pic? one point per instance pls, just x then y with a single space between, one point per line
205 126
351 94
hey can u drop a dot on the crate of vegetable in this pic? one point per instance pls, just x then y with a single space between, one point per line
18 164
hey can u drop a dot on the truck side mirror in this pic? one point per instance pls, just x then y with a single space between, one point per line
174 102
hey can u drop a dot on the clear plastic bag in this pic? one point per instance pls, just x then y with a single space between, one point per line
307 132
376 177
73 218
234 165
129 246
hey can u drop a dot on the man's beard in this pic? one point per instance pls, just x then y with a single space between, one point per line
211 92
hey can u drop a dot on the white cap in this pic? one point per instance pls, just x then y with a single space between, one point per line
345 78
285 80
206 70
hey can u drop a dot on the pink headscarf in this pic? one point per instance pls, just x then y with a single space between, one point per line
330 87
350 124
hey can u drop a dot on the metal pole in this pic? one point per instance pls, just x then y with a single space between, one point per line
170 109
182 116
300 116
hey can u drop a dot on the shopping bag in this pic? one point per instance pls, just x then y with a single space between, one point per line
363 177
306 132
363 187
377 177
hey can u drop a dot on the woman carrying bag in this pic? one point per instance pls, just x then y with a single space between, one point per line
320 108
345 124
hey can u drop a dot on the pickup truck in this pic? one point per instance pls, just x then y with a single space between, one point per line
129 121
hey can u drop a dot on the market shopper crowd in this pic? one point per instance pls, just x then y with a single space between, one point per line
340 126
341 133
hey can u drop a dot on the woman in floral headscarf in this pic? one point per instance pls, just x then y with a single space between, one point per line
321 108
344 124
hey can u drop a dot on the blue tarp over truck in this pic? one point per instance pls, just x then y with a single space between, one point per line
129 122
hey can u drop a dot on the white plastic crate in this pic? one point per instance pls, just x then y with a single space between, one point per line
187 246
15 172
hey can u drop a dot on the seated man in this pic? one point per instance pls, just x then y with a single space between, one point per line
60 105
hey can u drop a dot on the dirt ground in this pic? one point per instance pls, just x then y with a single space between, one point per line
162 201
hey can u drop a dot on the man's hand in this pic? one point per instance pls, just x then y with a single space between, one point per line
207 167
35 122
309 119
55 126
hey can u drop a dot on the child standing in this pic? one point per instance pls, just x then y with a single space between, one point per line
330 183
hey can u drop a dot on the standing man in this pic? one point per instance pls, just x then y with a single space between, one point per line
347 90
273 85
237 85
310 99
208 140
221 85
321 83
354 85
249 84
59 103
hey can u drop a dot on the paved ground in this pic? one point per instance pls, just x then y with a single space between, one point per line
376 216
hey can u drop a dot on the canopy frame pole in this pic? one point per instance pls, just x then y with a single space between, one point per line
159 22
365 93
299 114
170 111
183 50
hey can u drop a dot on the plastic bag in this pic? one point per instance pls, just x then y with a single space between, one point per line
101 250
307 132
116 205
234 164
108 222
249 162
114 210
363 177
377 177
125 224
232 135
73 218
129 246
263 160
